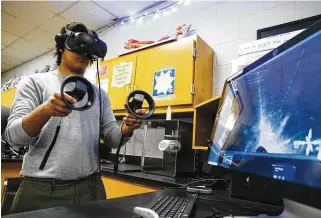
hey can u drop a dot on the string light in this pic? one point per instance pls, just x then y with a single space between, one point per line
156 16
131 19
180 2
139 20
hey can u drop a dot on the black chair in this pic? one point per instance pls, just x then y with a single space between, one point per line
11 186
5 111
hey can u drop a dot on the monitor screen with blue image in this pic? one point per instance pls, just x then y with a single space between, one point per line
269 121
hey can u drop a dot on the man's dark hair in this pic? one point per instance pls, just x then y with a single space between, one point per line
75 27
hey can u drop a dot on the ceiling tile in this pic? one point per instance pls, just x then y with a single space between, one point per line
55 6
124 8
28 11
14 25
41 38
10 60
7 38
5 66
88 13
31 48
8 63
16 54
54 25
20 44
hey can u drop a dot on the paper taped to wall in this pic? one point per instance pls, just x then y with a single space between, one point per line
266 44
122 74
252 51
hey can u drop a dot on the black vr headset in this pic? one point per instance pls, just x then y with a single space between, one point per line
83 43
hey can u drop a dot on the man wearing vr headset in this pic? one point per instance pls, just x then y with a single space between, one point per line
69 176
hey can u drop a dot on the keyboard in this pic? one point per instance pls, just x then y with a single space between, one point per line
173 207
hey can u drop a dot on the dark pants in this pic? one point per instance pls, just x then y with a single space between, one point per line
35 193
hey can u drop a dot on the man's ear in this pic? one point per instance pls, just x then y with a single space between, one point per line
61 50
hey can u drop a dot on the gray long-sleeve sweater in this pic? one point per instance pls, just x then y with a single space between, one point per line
75 152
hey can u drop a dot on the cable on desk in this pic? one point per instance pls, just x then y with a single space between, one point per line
220 213
203 180
204 185
217 200
183 186
239 204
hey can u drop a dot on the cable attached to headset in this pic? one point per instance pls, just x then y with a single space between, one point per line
45 158
117 153
98 177
100 117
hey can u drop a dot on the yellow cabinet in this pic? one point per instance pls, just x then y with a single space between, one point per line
177 73
203 123
118 93
166 72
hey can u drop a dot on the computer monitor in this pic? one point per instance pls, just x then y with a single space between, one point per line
269 120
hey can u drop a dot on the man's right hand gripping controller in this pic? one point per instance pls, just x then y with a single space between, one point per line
56 107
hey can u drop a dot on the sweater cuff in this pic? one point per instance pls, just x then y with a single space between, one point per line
20 136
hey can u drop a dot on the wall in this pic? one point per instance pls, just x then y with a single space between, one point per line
223 25
29 67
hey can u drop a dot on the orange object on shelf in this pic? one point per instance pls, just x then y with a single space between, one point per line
133 43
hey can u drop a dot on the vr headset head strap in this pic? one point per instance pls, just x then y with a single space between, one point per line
69 33
73 30
67 30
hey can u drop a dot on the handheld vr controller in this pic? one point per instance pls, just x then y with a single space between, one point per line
83 91
135 101
80 89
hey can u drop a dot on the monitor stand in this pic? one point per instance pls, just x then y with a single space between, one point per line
292 209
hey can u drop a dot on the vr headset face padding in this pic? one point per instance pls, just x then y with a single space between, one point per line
84 43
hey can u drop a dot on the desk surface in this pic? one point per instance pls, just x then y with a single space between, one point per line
147 178
142 178
122 207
